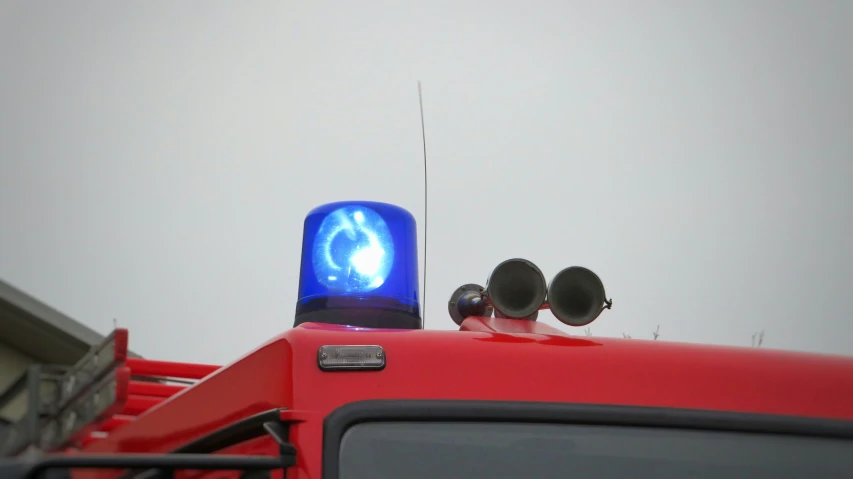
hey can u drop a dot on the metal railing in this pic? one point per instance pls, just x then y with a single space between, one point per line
70 407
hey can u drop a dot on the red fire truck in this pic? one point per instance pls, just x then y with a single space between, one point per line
357 389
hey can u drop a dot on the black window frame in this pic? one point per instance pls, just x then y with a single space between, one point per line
235 433
341 419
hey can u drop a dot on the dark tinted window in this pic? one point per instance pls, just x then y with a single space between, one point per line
407 450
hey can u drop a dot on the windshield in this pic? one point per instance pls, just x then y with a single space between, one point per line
454 450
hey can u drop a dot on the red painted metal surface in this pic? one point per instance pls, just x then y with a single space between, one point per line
144 388
121 339
115 422
137 405
489 359
150 367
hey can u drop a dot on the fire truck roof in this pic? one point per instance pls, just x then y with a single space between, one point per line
492 359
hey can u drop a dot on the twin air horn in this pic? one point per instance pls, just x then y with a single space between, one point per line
517 289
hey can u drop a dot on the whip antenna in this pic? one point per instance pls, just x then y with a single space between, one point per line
423 137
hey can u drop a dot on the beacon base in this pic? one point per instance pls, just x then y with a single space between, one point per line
359 312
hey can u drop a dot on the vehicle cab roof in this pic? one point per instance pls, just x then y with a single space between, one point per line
495 360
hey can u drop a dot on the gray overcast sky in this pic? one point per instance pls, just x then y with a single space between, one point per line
157 158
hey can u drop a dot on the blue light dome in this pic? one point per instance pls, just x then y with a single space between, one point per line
358 256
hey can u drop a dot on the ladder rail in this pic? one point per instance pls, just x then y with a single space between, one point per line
38 405
104 391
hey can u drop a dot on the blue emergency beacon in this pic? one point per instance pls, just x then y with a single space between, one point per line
359 266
